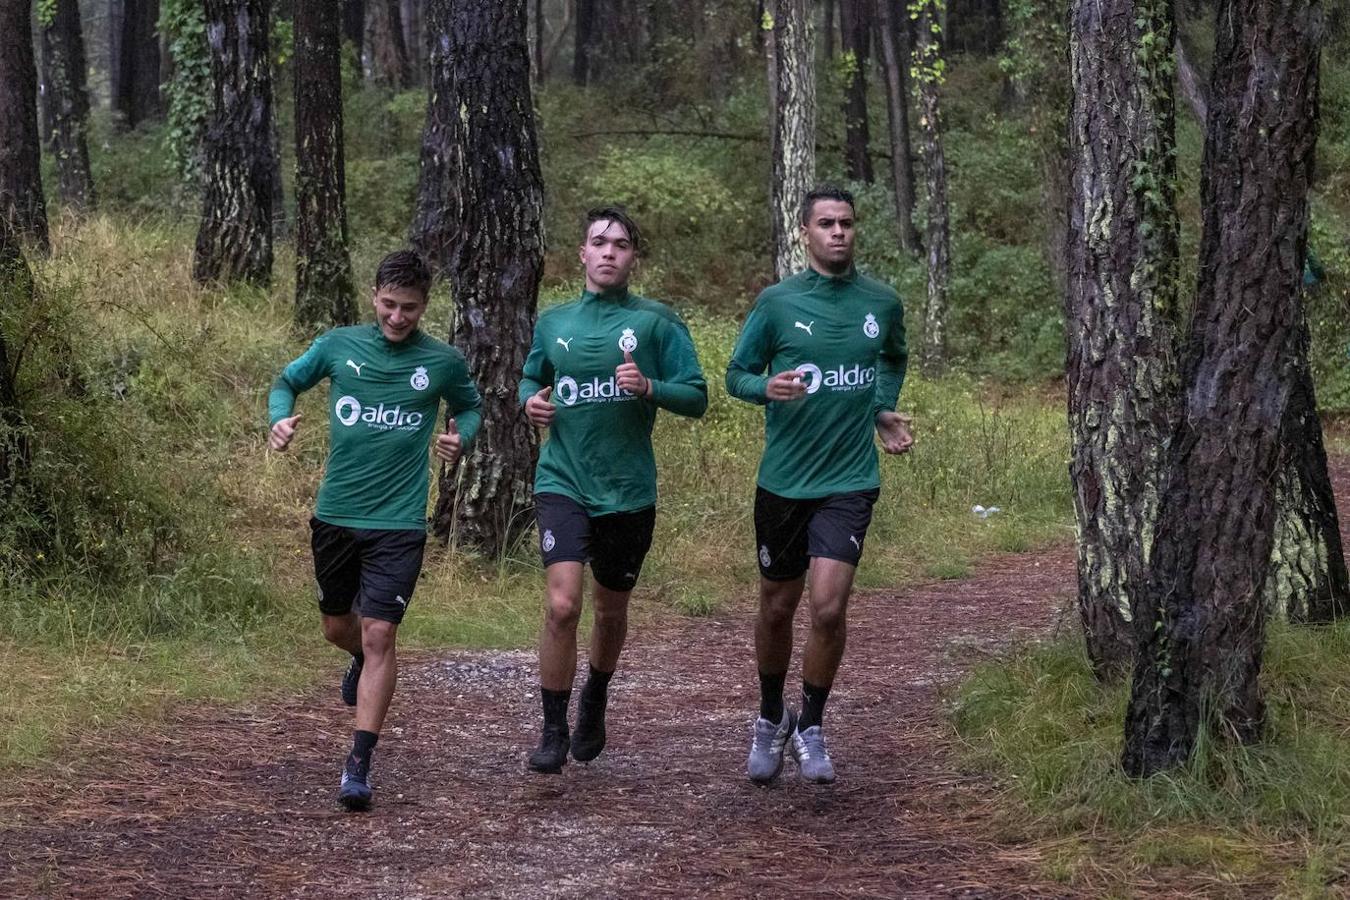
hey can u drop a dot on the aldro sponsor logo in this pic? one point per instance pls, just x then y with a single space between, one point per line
569 392
350 411
842 378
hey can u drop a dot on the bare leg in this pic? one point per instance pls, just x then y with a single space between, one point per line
610 628
379 675
558 639
343 631
831 583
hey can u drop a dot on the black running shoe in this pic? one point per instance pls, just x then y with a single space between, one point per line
551 753
354 793
589 738
352 678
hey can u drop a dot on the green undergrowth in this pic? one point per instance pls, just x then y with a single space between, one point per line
1277 813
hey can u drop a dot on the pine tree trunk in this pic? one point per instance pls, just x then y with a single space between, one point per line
21 201
135 92
928 69
386 55
794 129
1191 86
1307 580
829 20
414 39
234 239
63 68
324 293
585 39
895 64
1119 306
855 29
479 214
354 28
16 287
1200 623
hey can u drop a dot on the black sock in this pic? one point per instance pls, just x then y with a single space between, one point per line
771 695
813 705
597 685
359 657
363 744
555 707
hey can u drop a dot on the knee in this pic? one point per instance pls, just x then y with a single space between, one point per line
564 610
828 619
377 637
336 628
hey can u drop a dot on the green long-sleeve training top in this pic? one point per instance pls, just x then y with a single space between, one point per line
383 408
599 447
847 335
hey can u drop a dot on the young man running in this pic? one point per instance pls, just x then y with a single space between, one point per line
833 344
597 372
386 381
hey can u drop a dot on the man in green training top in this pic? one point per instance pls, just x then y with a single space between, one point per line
832 342
598 370
386 381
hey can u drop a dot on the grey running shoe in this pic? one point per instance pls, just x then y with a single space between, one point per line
766 751
813 760
354 792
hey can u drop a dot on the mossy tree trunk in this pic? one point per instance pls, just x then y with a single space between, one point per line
324 294
855 31
479 220
893 35
21 201
234 239
794 128
929 69
64 84
1120 305
135 66
1201 622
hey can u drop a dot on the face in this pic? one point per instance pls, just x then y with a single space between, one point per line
828 235
398 310
608 255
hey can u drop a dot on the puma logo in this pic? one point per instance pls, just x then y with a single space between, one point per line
356 367
854 539
566 344
399 598
806 328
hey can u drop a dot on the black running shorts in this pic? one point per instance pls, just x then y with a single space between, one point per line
615 545
368 571
789 533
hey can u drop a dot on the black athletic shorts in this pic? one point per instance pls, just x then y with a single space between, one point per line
368 571
790 532
615 545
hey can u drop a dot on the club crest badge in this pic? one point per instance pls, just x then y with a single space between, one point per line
870 326
628 341
764 558
548 542
420 379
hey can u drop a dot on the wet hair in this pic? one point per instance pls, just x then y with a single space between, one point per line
615 214
824 192
403 269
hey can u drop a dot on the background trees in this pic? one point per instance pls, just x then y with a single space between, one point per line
67 100
793 121
21 201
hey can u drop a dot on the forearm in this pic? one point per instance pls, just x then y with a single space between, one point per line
280 401
682 399
745 385
468 422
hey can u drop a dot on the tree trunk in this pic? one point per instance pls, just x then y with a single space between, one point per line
1307 579
21 201
794 128
1200 623
855 30
414 38
1120 305
828 28
234 240
354 28
386 54
16 287
1191 86
584 41
478 220
135 86
67 101
928 75
895 64
324 293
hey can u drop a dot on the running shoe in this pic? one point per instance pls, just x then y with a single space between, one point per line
766 750
589 737
551 753
813 760
352 678
354 792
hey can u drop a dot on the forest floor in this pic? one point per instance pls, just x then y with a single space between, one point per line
240 802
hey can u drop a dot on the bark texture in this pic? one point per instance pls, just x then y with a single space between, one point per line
1120 305
67 102
135 66
21 201
324 293
1200 623
386 54
234 239
893 36
928 69
855 30
479 214
794 129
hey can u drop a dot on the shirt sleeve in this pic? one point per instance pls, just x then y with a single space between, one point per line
680 386
298 377
754 350
538 371
462 402
892 362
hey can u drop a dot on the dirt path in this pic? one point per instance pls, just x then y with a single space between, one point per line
213 803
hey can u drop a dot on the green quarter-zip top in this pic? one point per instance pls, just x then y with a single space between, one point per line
599 447
846 334
383 408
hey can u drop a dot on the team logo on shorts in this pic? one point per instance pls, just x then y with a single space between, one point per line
548 543
764 558
420 379
628 341
870 326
